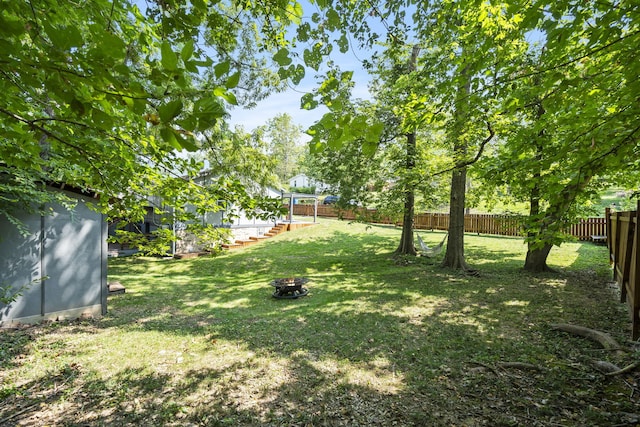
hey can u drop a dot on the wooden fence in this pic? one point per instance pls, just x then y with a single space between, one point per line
623 229
504 225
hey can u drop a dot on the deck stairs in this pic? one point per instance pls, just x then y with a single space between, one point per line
274 231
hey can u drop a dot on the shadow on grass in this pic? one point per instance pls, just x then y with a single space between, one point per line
372 344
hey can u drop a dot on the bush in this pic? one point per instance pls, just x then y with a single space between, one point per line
304 190
210 238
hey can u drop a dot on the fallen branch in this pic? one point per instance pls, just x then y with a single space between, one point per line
624 370
605 367
489 367
604 339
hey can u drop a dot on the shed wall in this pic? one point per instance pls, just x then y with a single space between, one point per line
69 249
20 266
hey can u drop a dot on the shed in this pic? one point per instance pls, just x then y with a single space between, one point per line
57 271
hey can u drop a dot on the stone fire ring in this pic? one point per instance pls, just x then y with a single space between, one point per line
289 287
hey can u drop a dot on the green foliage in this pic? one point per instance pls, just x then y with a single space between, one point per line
554 82
282 138
241 156
209 237
157 243
304 190
104 95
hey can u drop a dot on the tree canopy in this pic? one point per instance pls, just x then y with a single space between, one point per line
557 83
103 95
283 145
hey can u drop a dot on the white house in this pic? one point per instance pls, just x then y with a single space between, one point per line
242 225
302 180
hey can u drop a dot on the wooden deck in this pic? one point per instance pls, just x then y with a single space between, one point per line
274 231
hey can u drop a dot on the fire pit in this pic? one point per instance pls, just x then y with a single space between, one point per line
289 287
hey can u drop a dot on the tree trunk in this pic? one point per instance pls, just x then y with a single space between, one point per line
454 255
536 261
407 246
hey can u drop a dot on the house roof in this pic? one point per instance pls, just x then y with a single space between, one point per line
302 175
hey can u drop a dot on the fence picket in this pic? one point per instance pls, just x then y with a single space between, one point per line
624 236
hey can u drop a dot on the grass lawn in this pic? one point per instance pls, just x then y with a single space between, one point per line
376 342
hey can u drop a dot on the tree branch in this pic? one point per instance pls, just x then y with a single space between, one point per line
459 165
113 6
57 138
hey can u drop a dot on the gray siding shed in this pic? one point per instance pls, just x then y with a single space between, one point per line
69 248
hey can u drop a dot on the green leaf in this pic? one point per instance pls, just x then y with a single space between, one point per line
226 95
308 102
282 57
207 111
191 66
335 105
338 138
169 57
333 20
177 141
207 107
294 12
170 110
316 147
80 109
187 143
169 137
369 148
233 80
204 63
101 119
283 73
74 38
312 58
112 46
63 37
374 132
11 25
343 44
188 123
221 69
139 106
483 15
297 73
303 31
359 124
187 50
